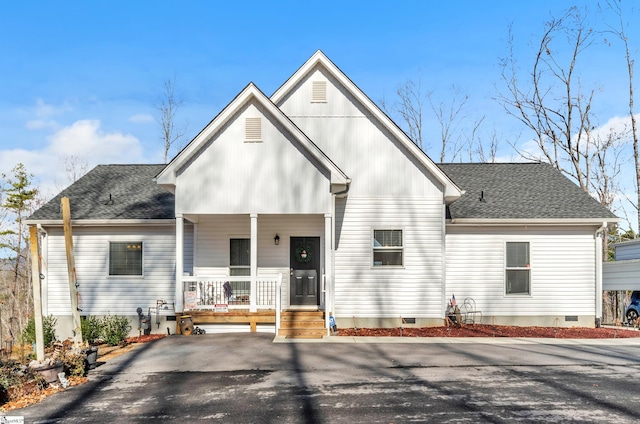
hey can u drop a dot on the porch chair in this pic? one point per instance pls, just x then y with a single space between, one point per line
469 312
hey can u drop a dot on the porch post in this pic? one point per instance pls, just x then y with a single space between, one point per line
254 262
179 308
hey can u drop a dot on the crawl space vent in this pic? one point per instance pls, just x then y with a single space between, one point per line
319 91
253 129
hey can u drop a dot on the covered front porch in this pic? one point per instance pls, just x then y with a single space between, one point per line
248 268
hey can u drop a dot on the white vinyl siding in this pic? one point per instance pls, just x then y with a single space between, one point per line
415 289
562 272
344 130
275 176
99 292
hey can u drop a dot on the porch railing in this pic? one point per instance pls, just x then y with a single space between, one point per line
204 292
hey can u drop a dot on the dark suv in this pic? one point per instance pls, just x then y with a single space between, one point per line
633 310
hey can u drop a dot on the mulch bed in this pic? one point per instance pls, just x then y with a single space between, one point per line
482 330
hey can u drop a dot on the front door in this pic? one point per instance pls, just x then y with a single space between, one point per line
305 263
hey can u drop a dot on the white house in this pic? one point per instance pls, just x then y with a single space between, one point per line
313 199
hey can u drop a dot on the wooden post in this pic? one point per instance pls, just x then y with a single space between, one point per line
37 293
71 268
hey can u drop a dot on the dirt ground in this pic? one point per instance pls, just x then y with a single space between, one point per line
482 330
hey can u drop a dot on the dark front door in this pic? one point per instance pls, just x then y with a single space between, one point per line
305 263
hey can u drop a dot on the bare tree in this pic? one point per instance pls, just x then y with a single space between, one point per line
167 109
449 116
620 32
410 108
75 167
552 104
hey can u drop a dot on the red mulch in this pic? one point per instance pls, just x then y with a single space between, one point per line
145 338
482 330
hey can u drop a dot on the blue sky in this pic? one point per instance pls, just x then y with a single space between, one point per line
81 78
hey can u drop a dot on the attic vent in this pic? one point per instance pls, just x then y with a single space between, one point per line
319 91
253 130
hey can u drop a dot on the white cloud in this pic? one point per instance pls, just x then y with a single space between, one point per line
141 118
83 139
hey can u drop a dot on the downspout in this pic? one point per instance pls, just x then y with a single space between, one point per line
443 305
600 232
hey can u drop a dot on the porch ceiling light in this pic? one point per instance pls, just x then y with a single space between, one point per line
276 240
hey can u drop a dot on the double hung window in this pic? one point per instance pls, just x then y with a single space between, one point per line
388 248
518 268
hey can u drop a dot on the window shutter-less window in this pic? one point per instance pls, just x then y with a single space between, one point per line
253 129
319 91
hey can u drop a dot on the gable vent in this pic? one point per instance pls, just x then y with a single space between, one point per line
319 91
253 129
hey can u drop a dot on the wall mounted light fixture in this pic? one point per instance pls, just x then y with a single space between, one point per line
276 240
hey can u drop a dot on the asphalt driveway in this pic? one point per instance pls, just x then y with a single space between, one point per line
247 378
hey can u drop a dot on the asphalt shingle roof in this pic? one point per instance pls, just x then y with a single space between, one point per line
114 192
509 190
519 191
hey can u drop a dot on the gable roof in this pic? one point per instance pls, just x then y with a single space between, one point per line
451 191
520 192
112 192
168 176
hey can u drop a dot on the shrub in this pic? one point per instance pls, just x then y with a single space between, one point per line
74 363
115 329
48 327
92 329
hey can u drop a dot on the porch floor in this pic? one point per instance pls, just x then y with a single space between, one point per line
234 316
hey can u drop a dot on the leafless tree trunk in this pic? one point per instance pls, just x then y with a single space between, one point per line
167 109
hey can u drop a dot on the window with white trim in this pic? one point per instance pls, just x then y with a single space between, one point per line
518 268
388 248
125 258
239 257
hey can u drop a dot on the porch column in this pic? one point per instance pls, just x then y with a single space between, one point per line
328 264
179 308
254 262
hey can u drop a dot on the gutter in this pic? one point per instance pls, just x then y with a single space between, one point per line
102 222
527 222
